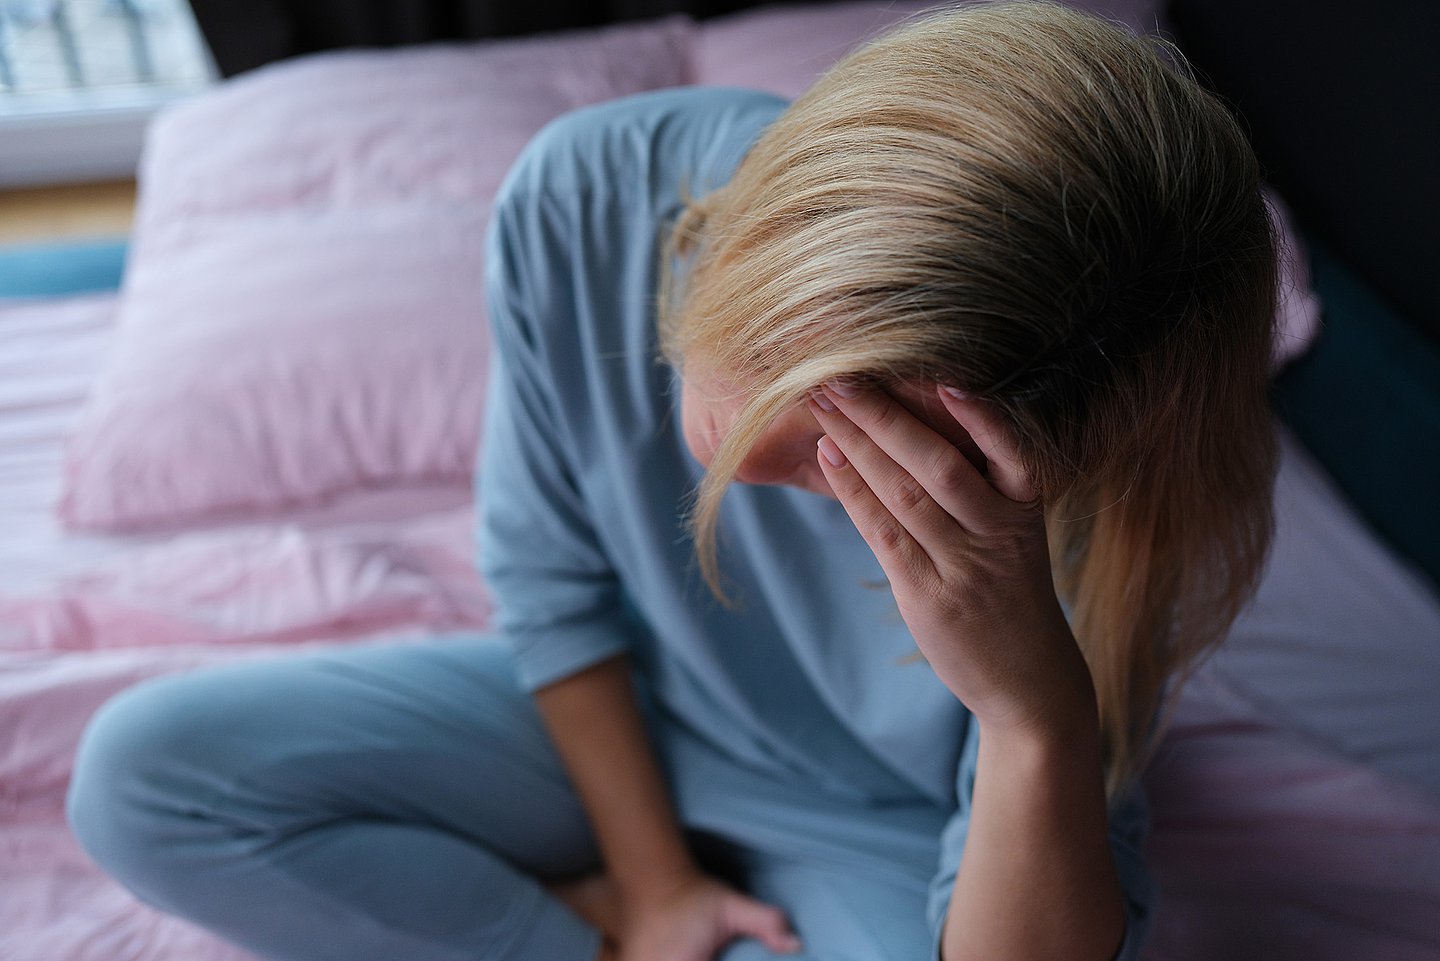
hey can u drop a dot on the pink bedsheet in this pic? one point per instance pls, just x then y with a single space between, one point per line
1269 841
1268 845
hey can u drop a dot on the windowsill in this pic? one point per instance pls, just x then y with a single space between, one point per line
78 136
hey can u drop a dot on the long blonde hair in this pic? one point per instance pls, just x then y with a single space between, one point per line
1046 211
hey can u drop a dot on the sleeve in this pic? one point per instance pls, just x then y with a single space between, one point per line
1129 821
557 596
570 284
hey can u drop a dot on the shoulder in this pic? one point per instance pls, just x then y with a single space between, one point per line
576 228
646 143
576 235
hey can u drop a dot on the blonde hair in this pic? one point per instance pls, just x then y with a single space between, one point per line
1041 209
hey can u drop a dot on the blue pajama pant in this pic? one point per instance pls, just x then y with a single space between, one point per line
405 802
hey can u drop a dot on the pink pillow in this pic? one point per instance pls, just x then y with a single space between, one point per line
303 308
785 48
1297 320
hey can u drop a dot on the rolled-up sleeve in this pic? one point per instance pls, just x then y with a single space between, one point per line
557 595
1129 821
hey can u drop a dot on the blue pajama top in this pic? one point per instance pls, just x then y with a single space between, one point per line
585 477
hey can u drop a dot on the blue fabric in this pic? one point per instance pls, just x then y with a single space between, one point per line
56 269
370 804
585 479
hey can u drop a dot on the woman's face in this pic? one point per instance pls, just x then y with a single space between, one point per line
785 453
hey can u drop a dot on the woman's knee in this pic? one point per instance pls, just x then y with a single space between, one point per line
138 770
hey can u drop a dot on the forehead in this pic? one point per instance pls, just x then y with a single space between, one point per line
916 395
920 398
706 384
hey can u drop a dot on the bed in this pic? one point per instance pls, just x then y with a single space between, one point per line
263 441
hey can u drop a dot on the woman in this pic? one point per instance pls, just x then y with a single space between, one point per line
967 354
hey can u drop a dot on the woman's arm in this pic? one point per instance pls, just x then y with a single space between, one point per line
1037 878
966 557
596 726
668 909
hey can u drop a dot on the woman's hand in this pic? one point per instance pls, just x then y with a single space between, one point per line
965 552
690 920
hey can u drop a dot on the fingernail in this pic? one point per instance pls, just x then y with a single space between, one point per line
824 402
830 451
843 388
955 392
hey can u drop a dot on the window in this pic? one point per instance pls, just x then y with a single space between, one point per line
80 78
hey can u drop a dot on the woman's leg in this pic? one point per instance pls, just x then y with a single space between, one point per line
391 802
853 877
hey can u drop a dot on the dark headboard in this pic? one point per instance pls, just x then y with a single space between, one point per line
244 34
1339 99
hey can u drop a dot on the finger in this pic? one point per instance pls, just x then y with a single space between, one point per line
765 923
983 422
897 550
875 430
